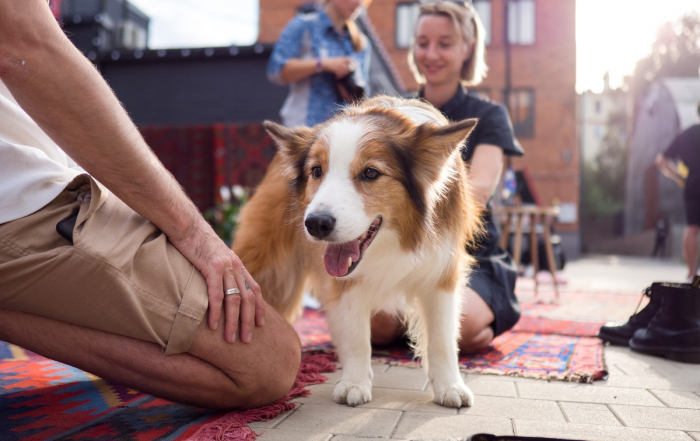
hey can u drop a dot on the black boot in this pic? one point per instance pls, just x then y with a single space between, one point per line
674 332
620 335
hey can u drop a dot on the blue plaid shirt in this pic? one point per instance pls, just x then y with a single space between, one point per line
314 99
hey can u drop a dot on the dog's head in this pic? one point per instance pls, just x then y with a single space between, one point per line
382 165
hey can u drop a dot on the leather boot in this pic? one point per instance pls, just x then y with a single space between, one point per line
674 332
620 335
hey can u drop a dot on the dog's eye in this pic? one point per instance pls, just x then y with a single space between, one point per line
316 172
370 174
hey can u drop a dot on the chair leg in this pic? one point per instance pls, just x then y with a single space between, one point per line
534 258
550 255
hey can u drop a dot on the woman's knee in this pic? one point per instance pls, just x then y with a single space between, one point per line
475 339
385 329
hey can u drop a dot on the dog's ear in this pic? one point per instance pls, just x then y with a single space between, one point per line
433 145
293 146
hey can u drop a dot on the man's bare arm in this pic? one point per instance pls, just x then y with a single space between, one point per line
63 92
668 169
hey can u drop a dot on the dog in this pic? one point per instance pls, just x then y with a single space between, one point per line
371 210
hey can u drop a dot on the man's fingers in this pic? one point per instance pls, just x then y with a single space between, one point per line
247 307
257 292
216 295
232 303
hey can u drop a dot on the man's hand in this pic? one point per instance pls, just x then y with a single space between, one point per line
223 270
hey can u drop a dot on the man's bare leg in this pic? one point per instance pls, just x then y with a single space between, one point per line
214 374
690 248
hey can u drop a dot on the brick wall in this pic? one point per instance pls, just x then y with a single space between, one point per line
548 67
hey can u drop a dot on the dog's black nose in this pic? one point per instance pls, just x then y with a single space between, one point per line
319 225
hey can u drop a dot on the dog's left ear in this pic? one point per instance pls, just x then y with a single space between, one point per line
433 145
293 145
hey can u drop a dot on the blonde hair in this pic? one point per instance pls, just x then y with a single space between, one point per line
466 23
357 38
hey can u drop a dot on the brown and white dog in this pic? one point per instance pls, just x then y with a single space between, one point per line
372 210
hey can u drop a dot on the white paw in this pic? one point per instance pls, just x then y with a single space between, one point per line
457 395
352 394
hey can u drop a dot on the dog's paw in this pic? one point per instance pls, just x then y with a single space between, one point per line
352 394
457 395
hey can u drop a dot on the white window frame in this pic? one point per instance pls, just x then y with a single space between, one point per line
485 11
521 22
406 18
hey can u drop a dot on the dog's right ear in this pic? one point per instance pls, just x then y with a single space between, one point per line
293 146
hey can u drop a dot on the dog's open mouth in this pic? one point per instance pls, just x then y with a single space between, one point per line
341 259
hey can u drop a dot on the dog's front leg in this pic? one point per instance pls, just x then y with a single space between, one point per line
348 321
441 314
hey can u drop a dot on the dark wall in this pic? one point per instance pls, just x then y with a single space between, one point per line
194 89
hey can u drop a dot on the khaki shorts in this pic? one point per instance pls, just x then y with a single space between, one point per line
121 275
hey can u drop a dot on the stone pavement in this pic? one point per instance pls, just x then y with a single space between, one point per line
645 398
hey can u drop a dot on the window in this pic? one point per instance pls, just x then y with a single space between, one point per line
521 103
483 8
406 17
597 106
521 22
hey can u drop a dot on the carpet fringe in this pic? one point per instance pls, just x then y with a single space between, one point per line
234 425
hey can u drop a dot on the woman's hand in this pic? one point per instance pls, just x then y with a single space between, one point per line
223 270
339 66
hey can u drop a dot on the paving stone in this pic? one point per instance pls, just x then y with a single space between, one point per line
675 382
493 377
272 423
352 438
587 393
399 377
382 398
695 435
673 419
291 435
342 420
595 432
424 425
678 398
334 377
514 408
587 413
484 385
404 400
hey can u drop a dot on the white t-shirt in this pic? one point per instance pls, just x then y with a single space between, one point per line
33 169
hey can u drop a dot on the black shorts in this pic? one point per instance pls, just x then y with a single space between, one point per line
692 207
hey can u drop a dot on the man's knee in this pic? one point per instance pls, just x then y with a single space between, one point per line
260 372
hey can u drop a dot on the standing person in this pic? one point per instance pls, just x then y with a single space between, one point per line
448 54
315 53
113 271
686 147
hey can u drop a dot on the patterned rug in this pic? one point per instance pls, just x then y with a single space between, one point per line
41 399
536 348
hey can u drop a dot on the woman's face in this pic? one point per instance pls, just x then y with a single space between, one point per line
440 52
346 9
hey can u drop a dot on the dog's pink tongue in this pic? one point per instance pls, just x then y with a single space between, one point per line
336 257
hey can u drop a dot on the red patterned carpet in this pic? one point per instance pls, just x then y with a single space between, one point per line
41 399
536 348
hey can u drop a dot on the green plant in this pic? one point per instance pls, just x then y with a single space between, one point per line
224 215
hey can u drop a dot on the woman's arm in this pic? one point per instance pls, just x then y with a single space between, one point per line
296 69
485 171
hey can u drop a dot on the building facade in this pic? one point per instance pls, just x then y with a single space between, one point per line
531 53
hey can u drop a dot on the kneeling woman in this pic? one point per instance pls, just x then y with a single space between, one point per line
447 55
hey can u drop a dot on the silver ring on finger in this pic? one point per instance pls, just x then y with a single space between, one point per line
232 291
